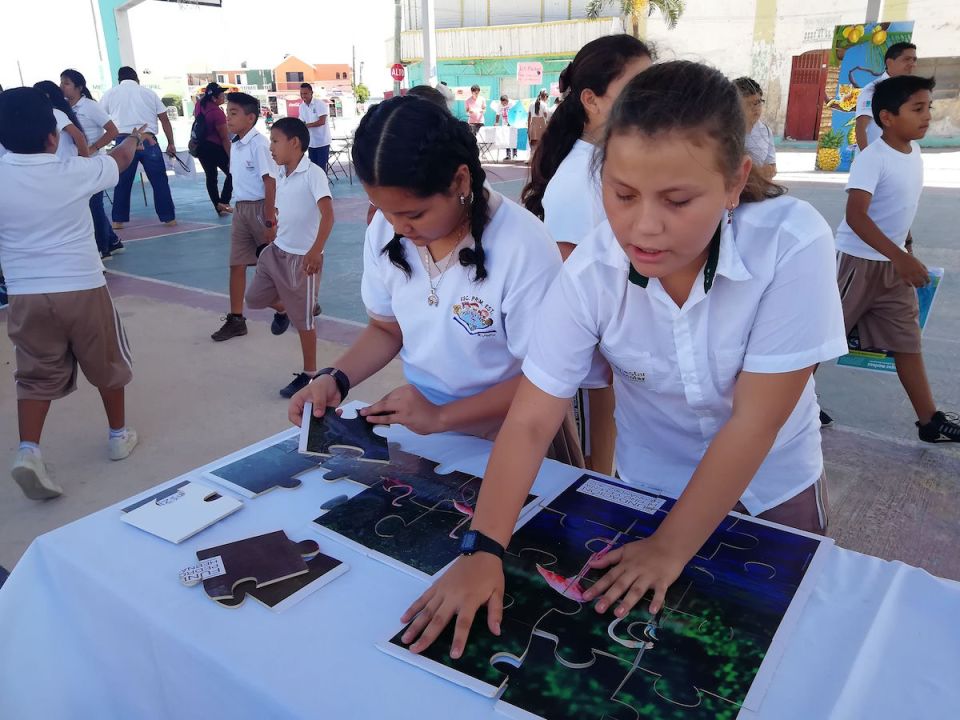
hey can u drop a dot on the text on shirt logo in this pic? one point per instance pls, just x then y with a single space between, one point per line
474 315
632 375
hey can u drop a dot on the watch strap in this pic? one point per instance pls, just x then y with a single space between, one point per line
340 378
475 542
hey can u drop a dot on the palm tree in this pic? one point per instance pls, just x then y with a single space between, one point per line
670 9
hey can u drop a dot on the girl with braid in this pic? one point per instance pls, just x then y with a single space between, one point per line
453 275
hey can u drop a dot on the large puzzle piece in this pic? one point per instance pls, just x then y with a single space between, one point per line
263 559
326 435
696 659
277 465
180 511
321 569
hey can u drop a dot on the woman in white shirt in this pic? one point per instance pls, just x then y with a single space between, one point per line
99 132
453 273
72 141
537 121
713 297
564 191
759 139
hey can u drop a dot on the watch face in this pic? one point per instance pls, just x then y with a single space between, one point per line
469 543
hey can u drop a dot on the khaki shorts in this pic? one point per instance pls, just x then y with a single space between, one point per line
280 279
879 303
246 232
53 333
807 510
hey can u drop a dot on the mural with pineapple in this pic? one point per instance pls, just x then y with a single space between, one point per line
856 59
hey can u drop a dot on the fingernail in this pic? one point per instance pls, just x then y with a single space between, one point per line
405 638
455 653
601 607
496 628
620 612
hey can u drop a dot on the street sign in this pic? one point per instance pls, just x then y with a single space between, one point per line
397 72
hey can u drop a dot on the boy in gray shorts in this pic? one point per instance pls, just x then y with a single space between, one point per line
61 315
288 271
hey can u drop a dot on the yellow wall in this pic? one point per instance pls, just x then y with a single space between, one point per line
894 10
764 21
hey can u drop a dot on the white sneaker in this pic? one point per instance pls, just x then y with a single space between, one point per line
31 475
121 447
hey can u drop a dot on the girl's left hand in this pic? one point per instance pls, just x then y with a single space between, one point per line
407 406
637 567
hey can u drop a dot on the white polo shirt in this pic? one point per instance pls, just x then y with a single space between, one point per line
46 231
298 217
66 148
478 334
895 180
92 117
572 202
760 146
316 109
249 161
131 105
865 108
773 307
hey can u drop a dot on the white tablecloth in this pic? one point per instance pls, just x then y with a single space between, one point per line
95 624
499 136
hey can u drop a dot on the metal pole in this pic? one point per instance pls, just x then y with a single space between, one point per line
20 70
397 24
429 30
873 11
353 65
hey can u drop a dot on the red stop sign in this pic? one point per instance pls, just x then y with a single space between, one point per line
397 72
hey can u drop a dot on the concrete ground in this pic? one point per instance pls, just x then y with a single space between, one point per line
193 400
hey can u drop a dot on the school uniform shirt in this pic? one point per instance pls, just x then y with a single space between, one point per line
66 148
572 202
772 307
298 217
46 230
311 112
131 106
250 160
865 108
477 335
760 145
92 118
895 180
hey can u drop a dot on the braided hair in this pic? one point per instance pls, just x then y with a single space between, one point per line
411 143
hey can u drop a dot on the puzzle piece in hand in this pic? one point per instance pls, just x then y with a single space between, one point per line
325 435
321 569
349 465
275 466
264 559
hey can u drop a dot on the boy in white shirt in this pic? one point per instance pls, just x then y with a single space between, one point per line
61 314
254 216
877 272
314 112
288 270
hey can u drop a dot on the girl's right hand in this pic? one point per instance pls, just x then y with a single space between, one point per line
322 392
471 582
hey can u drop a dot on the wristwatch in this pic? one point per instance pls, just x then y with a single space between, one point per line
340 378
474 542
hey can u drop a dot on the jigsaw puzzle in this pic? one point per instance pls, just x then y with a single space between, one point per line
710 650
324 436
264 559
180 511
409 515
321 570
276 462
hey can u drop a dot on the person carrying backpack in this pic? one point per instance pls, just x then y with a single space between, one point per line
210 144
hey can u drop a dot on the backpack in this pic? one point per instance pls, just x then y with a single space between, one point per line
198 132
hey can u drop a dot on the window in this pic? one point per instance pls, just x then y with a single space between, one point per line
221 79
338 76
237 79
294 77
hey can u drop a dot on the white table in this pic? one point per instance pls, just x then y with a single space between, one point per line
95 624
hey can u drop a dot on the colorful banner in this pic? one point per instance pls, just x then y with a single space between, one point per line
881 360
856 60
529 73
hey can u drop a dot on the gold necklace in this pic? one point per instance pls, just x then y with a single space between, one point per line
433 299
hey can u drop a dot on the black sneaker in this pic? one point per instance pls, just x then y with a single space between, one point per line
280 323
825 420
943 427
116 247
299 382
233 326
106 256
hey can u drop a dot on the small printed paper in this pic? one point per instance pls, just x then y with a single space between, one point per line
640 501
211 567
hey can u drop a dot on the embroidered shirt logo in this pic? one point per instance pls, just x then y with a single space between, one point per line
474 316
631 375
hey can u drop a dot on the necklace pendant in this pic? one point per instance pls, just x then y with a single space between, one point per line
433 300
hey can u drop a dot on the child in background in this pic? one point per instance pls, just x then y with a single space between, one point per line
72 143
759 140
288 270
690 291
254 216
877 272
61 314
503 118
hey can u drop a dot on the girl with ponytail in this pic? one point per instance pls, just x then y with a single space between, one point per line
72 141
564 190
713 297
453 274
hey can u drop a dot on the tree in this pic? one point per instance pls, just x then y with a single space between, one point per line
362 93
670 9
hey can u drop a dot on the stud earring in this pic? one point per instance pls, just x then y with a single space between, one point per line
463 199
729 215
